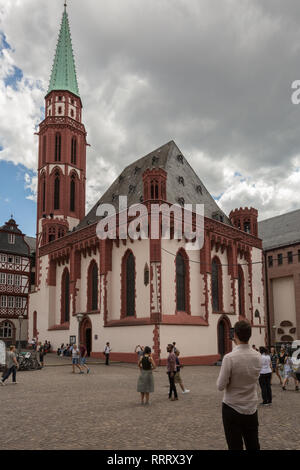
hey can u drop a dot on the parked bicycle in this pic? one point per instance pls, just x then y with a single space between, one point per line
28 361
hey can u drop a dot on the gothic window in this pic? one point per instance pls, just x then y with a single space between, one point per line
56 191
146 274
128 285
65 297
44 149
44 193
180 283
154 189
216 276
73 150
93 286
51 234
57 147
72 193
241 291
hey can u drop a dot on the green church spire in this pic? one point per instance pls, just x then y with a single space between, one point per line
63 76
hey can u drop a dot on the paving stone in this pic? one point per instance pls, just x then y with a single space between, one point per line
55 409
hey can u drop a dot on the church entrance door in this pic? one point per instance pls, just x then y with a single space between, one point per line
86 334
224 342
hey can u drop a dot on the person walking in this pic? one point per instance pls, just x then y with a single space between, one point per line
289 373
139 350
12 366
75 359
178 379
281 361
145 384
107 350
265 377
274 360
82 357
171 370
41 351
238 378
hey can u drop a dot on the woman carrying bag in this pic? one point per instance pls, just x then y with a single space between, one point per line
145 384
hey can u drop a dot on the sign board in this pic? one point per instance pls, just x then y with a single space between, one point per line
2 353
72 340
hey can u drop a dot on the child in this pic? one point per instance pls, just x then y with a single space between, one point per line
178 379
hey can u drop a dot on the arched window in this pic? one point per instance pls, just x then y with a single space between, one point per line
65 297
73 150
128 285
72 193
241 290
182 303
56 191
93 286
44 150
43 193
154 189
57 147
216 288
34 324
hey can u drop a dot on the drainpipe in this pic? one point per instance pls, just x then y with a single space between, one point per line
267 299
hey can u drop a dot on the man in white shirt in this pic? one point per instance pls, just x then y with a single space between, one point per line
107 350
238 378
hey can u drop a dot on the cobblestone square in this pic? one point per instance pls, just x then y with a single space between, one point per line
55 409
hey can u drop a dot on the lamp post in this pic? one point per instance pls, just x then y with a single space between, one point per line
20 318
79 317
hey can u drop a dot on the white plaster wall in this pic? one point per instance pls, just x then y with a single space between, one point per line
258 287
283 291
125 339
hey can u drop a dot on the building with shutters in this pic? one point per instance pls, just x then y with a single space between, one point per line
131 291
16 261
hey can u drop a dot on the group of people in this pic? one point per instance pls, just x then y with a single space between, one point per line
282 366
146 363
35 344
241 371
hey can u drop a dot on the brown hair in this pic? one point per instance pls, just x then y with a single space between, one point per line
243 330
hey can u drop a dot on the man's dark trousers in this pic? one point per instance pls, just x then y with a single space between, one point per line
265 385
171 376
239 427
107 359
12 370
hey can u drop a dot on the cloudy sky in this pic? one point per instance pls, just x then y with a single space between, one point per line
213 75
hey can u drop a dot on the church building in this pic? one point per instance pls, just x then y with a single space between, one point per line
134 291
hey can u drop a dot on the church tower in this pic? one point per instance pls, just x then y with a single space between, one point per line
62 148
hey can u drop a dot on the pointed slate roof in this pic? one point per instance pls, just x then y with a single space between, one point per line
169 158
63 76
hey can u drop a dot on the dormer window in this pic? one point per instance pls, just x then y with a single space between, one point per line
60 110
11 238
180 159
154 160
199 189
181 201
181 180
59 98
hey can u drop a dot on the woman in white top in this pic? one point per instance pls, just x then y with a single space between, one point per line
265 377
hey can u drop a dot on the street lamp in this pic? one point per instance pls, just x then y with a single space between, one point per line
79 317
20 318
